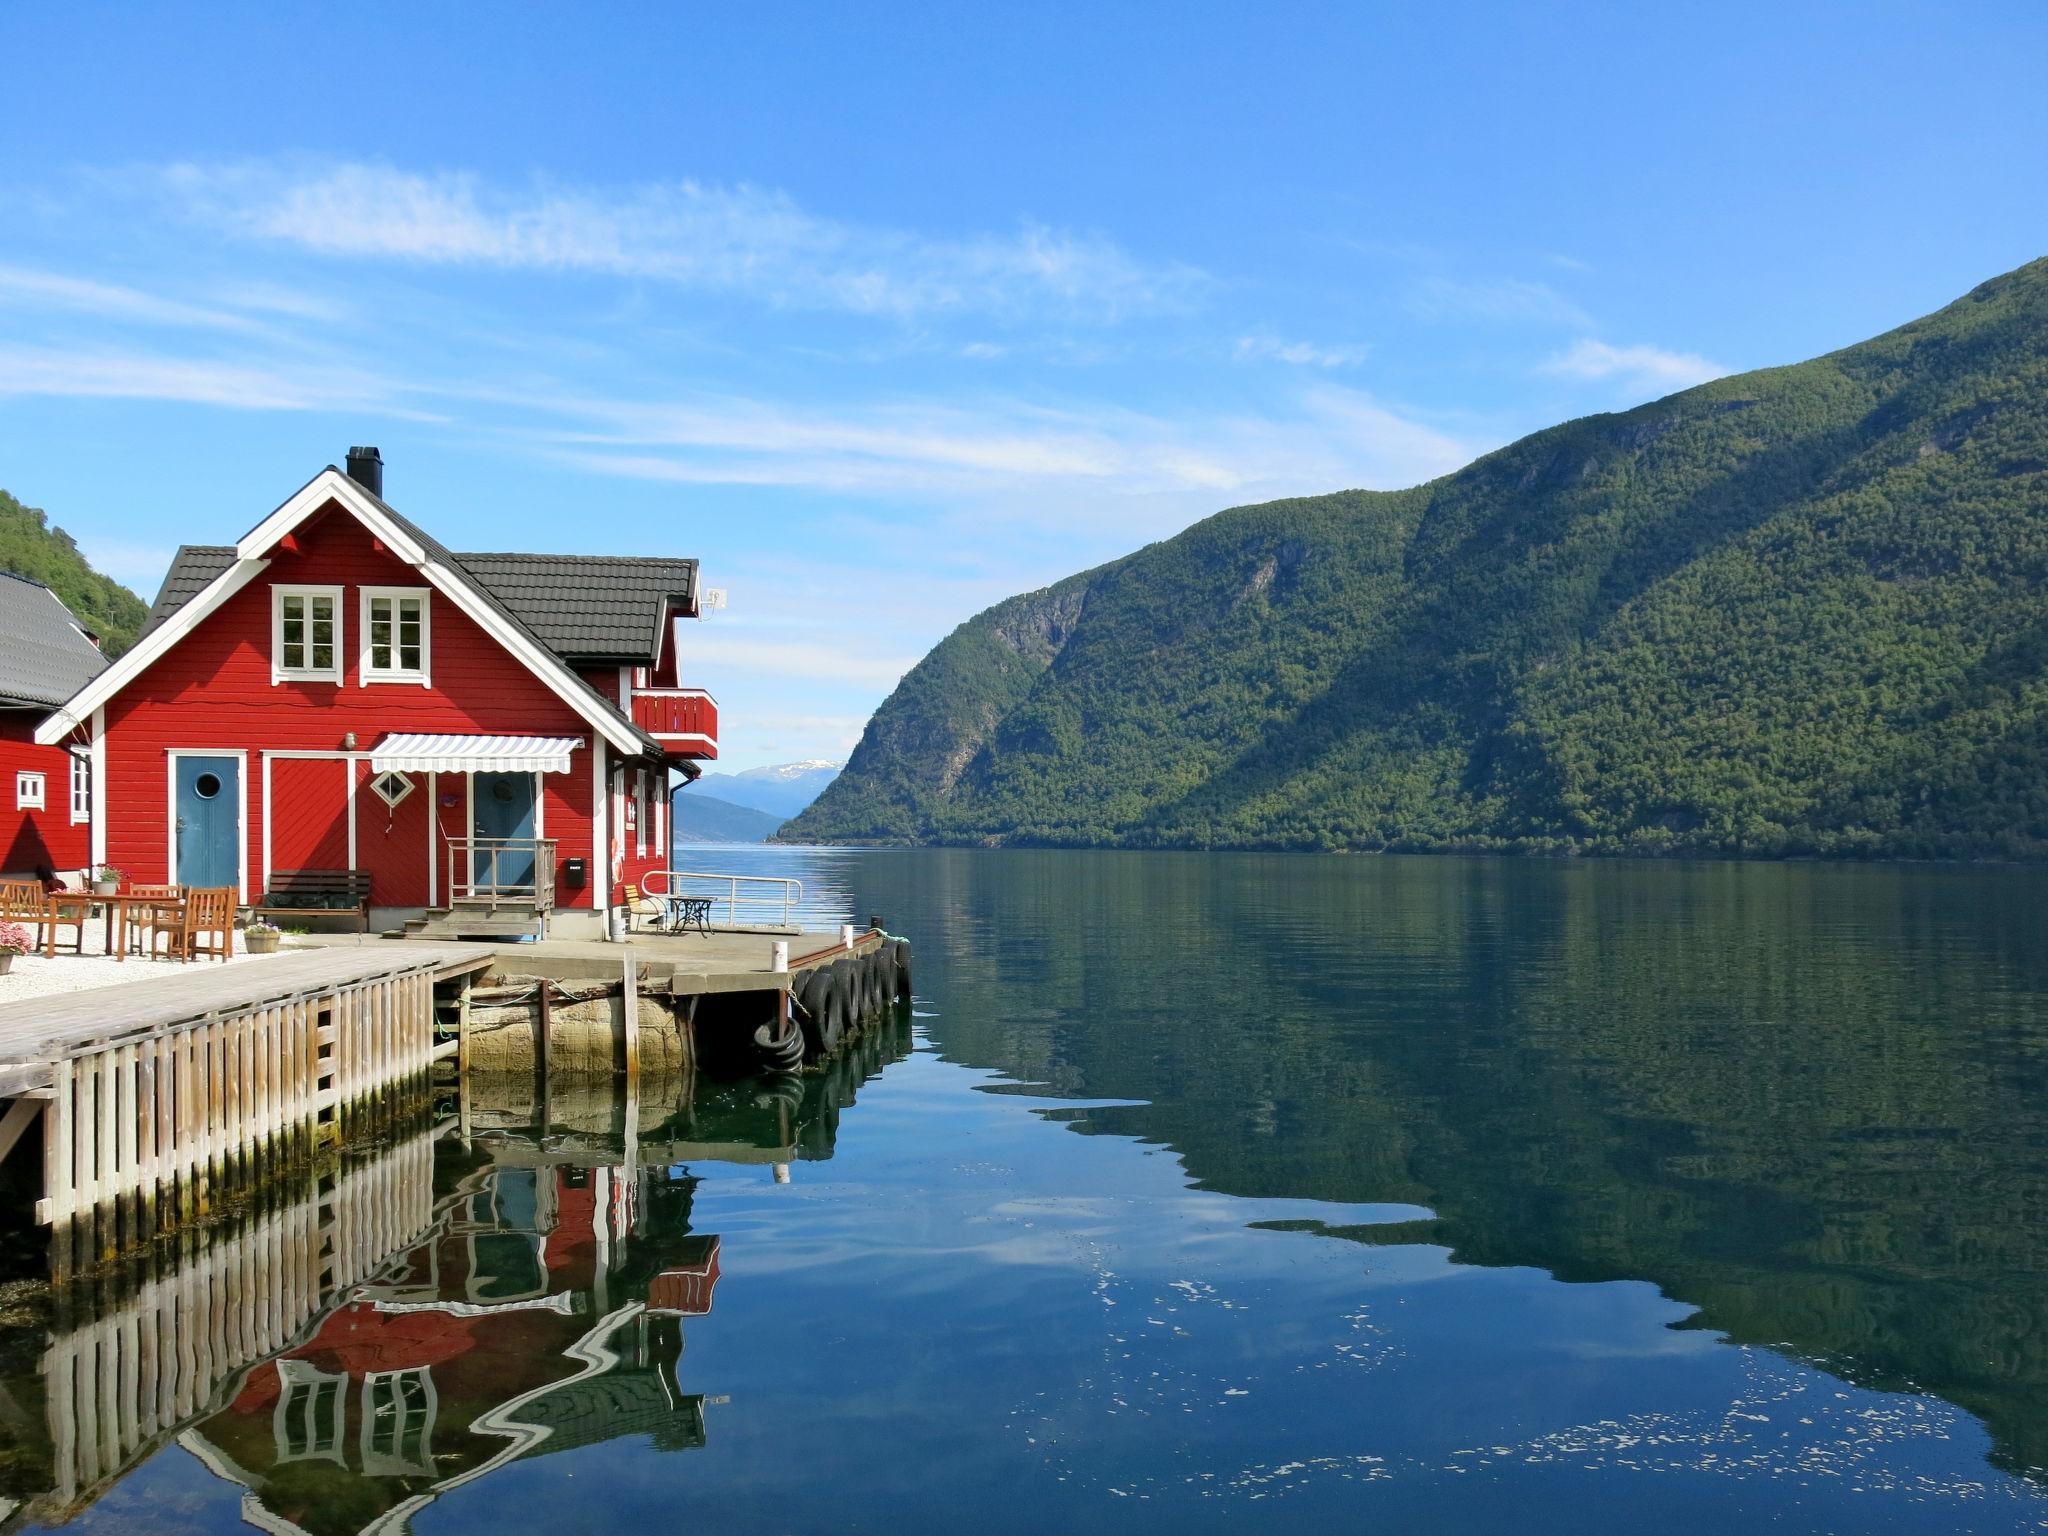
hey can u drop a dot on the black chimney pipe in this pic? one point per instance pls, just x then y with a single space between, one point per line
366 468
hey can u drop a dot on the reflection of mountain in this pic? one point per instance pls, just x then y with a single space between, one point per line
1808 1100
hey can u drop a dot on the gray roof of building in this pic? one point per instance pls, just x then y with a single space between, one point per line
588 607
581 608
45 656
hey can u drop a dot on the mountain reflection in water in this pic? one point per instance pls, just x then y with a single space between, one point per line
508 1280
1219 1194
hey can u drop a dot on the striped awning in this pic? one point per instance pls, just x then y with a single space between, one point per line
408 753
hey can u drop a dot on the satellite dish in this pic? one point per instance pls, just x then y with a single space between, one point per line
712 598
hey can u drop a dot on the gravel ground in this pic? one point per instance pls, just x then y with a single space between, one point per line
33 976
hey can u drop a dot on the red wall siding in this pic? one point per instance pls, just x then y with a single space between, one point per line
213 691
34 841
391 842
308 812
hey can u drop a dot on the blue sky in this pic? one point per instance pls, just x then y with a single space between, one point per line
888 312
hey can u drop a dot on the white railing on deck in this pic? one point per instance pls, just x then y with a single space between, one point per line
746 899
502 869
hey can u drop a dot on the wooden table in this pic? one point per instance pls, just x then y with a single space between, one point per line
127 907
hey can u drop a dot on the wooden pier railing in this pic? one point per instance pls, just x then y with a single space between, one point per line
158 1094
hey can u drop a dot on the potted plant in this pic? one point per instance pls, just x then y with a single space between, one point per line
14 940
106 880
261 937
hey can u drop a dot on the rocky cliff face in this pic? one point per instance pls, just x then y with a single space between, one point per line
1792 611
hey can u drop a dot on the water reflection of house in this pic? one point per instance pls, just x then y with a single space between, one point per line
543 1313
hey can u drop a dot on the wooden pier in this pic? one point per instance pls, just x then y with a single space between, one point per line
156 1095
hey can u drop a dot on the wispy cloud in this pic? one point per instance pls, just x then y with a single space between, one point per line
1264 346
1332 437
1497 300
46 291
731 239
127 375
835 662
1636 368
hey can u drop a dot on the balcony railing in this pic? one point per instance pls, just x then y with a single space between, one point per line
498 871
683 719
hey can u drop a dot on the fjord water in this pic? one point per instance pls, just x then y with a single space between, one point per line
1233 1193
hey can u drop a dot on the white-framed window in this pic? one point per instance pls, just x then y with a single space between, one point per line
305 634
397 1437
391 787
310 1419
81 787
29 790
396 642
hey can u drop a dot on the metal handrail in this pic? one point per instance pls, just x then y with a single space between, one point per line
465 852
789 895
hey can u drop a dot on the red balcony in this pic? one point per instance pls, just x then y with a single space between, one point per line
684 720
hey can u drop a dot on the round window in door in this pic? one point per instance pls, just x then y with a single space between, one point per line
206 786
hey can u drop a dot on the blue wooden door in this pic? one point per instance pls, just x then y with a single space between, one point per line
504 809
209 820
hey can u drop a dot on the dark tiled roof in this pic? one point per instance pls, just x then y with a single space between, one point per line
193 569
577 607
44 655
588 607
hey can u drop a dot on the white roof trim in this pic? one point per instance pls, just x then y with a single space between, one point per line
332 485
411 752
79 709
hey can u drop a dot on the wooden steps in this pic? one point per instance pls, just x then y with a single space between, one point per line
479 920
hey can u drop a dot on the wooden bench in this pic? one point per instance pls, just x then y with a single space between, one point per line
311 893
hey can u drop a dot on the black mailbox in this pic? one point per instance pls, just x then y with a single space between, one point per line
575 872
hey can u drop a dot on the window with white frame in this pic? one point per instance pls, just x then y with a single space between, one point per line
81 787
28 792
305 634
395 640
397 1436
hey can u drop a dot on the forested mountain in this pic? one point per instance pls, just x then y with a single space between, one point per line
1803 610
30 547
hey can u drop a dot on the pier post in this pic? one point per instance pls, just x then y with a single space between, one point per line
629 996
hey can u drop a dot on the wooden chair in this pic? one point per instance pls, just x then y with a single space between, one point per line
208 925
27 903
164 925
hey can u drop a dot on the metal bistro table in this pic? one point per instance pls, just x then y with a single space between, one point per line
679 914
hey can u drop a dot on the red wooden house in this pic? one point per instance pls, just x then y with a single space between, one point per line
487 737
45 800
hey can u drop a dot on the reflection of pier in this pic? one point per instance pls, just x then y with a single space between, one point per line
513 1285
165 1346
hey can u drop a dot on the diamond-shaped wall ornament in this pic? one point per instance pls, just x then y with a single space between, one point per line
391 787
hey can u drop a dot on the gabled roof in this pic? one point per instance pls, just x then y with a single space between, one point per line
45 656
170 620
584 608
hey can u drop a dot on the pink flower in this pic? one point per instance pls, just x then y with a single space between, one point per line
16 939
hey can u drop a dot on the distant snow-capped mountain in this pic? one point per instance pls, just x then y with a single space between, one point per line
781 789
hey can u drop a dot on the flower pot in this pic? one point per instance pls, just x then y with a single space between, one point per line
6 961
105 887
260 943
